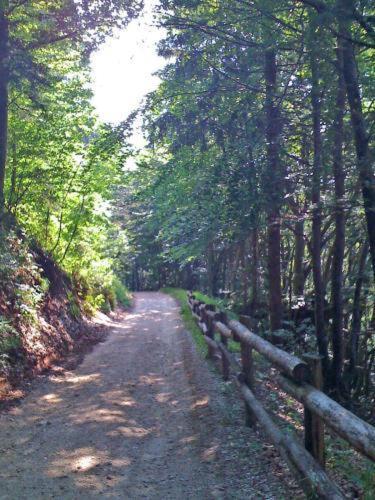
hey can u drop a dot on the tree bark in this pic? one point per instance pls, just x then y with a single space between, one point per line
254 272
298 269
273 185
321 336
357 310
4 98
361 137
244 274
339 243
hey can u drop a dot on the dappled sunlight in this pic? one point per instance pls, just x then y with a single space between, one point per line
78 380
128 406
52 398
151 379
85 467
188 440
200 403
119 398
76 461
85 463
284 406
93 414
163 397
130 432
210 453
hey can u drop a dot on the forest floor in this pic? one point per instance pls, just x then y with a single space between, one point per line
141 417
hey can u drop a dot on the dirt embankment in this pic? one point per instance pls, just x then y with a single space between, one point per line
40 317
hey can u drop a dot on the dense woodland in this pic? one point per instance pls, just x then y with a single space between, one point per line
257 184
59 166
59 169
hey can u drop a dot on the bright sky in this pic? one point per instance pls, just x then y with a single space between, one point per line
122 69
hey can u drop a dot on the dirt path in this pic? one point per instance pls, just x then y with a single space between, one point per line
141 417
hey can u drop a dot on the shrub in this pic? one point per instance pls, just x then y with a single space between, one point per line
122 294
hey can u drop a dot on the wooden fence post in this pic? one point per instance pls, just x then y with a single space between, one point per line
210 328
314 425
222 317
248 377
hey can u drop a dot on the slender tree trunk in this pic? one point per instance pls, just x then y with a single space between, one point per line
4 97
357 310
369 355
339 243
298 269
290 284
322 340
244 274
364 158
224 269
237 275
274 187
254 271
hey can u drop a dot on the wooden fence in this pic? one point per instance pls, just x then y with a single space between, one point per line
302 379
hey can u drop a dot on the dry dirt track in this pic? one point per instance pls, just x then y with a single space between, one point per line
141 417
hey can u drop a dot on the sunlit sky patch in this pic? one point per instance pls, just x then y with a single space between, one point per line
123 68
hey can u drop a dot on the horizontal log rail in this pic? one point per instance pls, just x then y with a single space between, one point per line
308 472
354 430
286 362
299 378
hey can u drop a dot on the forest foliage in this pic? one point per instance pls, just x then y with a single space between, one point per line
258 180
257 183
59 165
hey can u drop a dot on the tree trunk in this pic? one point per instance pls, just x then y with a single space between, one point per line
361 137
357 310
254 272
298 269
273 185
321 336
4 97
339 243
245 276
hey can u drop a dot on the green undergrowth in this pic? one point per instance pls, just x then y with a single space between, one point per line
220 304
181 296
101 291
122 294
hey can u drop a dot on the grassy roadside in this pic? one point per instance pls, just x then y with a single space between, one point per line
180 295
219 303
